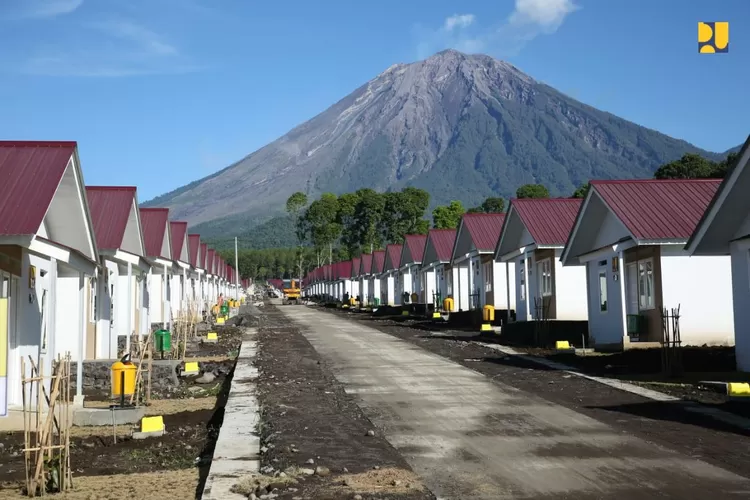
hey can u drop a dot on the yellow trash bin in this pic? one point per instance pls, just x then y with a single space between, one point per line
488 313
123 379
448 304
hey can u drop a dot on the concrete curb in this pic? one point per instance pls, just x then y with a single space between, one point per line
237 450
719 415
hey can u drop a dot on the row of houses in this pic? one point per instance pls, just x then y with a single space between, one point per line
83 267
616 260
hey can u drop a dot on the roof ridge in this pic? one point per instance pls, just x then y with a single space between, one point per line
654 181
112 188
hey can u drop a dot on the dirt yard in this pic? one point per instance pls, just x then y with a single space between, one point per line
174 465
313 432
663 423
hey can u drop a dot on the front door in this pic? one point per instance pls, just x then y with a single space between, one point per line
631 288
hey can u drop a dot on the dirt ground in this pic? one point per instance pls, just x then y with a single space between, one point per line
666 424
308 421
175 465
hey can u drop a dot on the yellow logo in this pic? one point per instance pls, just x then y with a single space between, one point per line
713 38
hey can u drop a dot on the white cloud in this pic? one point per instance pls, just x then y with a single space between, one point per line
547 15
30 9
529 19
458 21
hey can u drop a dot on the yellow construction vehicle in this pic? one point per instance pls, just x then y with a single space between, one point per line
292 292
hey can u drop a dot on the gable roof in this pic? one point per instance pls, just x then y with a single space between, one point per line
204 257
484 229
413 249
194 241
440 243
356 264
392 257
365 264
155 222
210 269
724 216
548 221
656 209
344 270
30 173
180 250
378 259
110 209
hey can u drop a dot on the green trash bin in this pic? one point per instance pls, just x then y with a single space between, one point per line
377 301
163 341
225 310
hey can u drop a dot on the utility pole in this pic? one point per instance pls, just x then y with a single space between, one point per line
236 271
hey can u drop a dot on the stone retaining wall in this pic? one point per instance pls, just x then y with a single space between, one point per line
97 374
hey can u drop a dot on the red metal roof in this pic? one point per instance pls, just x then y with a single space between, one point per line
443 241
416 243
549 220
484 230
154 223
378 258
110 210
345 269
394 256
656 209
30 173
356 264
194 240
366 263
210 260
204 256
179 229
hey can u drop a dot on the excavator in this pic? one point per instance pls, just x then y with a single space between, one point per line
292 292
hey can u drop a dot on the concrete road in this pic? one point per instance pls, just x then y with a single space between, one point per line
472 438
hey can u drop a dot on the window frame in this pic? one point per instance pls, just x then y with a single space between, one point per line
545 275
603 292
648 284
488 277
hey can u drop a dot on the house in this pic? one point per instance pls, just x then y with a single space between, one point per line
344 280
195 288
631 236
481 280
211 280
365 265
409 263
181 268
376 268
356 264
436 270
203 265
724 230
533 238
389 278
48 258
122 294
158 240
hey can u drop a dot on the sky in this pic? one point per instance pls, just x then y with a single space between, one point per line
159 93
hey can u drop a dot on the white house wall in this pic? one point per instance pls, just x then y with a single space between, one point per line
740 261
702 287
500 284
67 330
155 293
570 291
427 286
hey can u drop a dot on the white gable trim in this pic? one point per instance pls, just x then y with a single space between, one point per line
726 188
83 201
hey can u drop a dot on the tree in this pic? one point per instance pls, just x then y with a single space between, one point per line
403 213
368 213
346 219
532 191
323 225
690 166
491 205
447 217
294 206
582 191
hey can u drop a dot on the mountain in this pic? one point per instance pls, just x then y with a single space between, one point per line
461 126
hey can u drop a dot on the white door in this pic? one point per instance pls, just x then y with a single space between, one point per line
631 289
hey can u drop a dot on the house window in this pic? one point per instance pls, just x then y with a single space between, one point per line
646 284
545 277
603 289
92 300
488 276
522 279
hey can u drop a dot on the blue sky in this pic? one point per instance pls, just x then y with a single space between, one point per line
159 93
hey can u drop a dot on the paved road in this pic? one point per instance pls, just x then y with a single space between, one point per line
471 438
